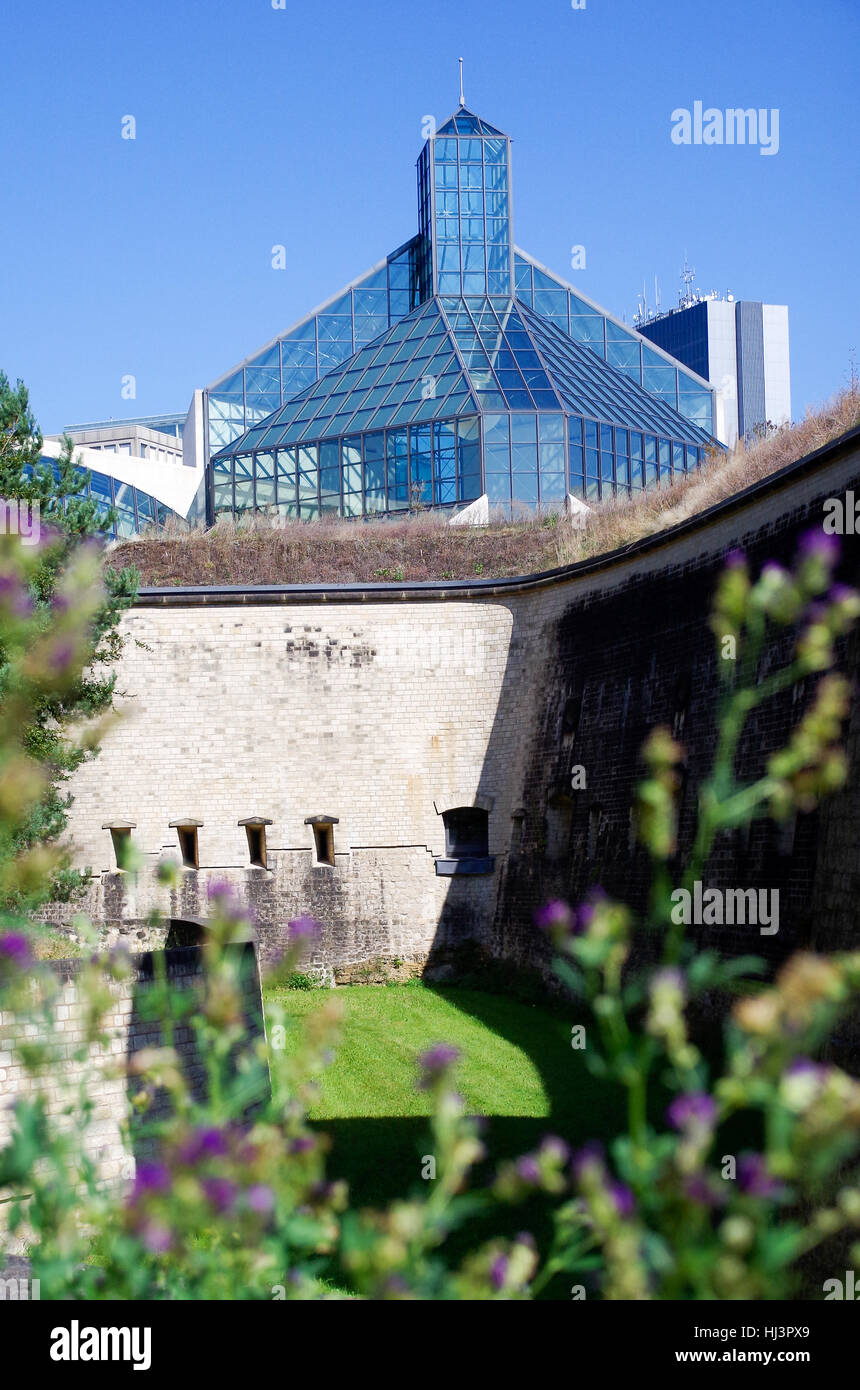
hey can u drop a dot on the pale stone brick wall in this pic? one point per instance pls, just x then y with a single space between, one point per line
108 1140
387 709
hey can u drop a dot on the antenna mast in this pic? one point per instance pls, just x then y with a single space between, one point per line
462 98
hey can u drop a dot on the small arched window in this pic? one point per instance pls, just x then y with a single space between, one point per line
466 842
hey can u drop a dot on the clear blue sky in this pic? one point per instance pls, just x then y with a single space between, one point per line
300 126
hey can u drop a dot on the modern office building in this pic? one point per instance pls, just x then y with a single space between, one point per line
456 367
144 493
741 347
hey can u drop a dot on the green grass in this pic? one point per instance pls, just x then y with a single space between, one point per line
387 1026
517 1068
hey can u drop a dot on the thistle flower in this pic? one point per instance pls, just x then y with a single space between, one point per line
695 1110
434 1065
622 1196
753 1178
817 555
260 1199
15 950
590 1158
219 891
698 1188
204 1143
150 1177
557 919
221 1193
156 1238
304 930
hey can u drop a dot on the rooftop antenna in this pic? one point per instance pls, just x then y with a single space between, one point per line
462 98
688 278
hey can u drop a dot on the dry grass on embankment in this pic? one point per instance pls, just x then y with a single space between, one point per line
425 547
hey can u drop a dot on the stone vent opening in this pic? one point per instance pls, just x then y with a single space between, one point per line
188 844
256 845
255 830
188 847
120 834
323 831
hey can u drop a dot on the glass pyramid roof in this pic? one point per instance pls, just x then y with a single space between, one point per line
465 122
450 357
409 373
589 386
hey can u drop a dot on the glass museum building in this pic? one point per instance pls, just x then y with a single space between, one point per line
458 367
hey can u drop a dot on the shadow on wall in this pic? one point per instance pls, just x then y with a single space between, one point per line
619 654
170 986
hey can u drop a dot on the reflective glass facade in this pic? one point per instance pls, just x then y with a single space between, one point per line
457 366
321 341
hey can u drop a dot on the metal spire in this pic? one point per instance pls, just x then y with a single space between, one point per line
462 98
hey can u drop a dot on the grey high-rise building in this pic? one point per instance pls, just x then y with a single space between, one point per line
741 347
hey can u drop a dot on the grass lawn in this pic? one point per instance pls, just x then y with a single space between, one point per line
517 1068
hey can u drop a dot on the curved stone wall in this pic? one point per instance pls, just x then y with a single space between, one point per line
384 707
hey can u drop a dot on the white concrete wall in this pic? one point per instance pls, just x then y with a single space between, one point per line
777 364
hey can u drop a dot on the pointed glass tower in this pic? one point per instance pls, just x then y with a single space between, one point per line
464 205
456 367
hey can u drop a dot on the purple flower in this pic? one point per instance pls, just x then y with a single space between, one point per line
690 1111
15 596
697 1188
553 1147
802 1066
15 947
753 1177
260 1199
556 918
204 1143
499 1272
302 1145
820 545
151 1177
589 1156
586 910
219 890
841 593
622 1196
61 656
156 1238
221 1192
434 1064
527 1169
304 929
735 559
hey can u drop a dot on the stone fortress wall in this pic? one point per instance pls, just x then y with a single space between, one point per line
383 707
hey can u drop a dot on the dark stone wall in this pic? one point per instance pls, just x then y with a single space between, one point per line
618 664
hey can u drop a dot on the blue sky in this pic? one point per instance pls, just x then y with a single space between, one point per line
300 126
